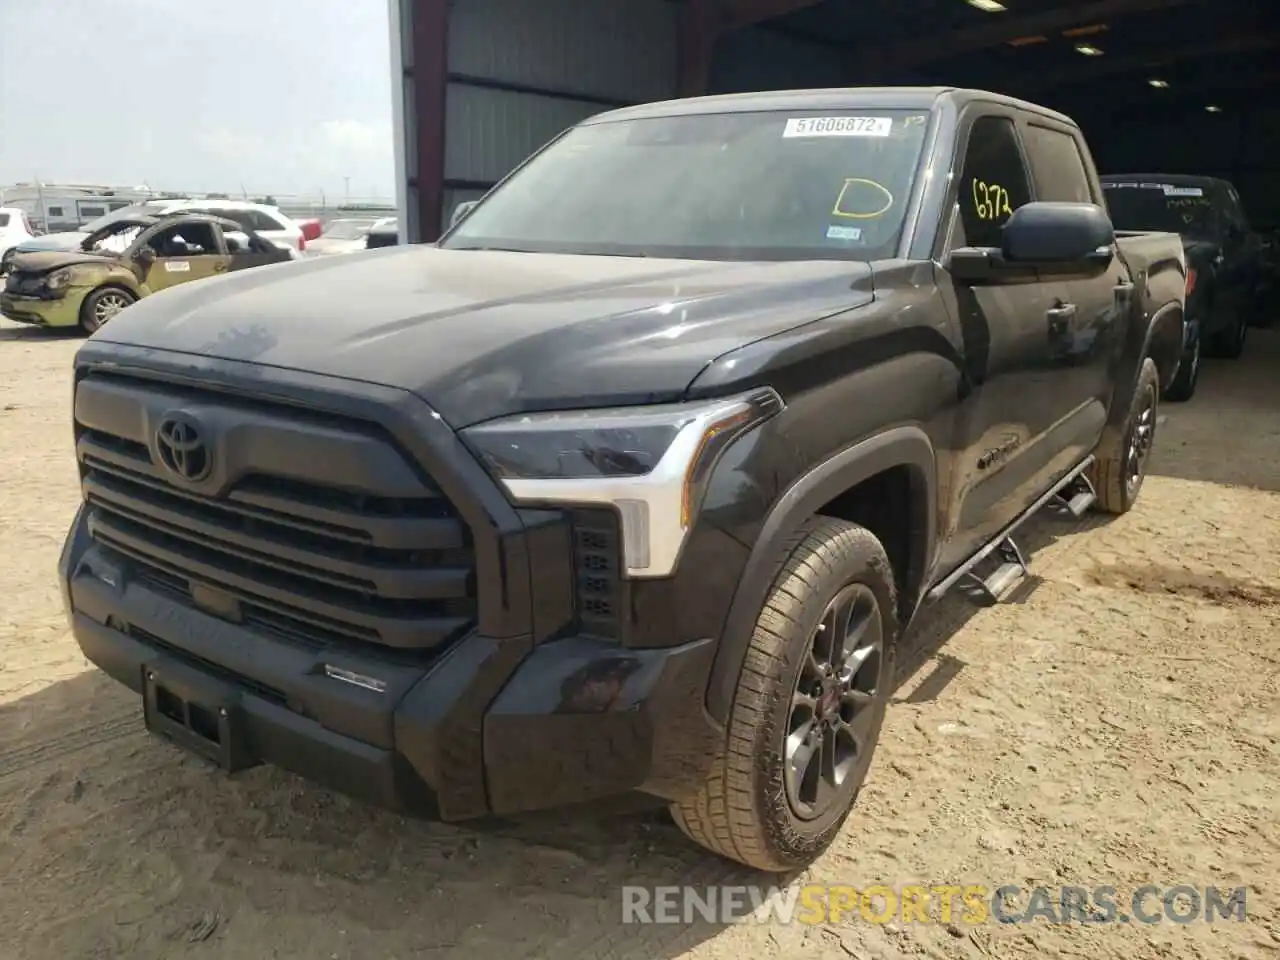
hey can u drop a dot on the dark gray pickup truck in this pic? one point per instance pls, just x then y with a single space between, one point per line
629 487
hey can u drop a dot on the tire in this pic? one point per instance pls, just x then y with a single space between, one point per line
101 305
1117 477
750 809
1183 386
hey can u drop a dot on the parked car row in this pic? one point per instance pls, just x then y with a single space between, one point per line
125 260
263 219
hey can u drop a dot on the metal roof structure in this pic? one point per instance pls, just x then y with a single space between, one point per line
1181 85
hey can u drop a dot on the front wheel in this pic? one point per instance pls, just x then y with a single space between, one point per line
101 305
1120 467
809 705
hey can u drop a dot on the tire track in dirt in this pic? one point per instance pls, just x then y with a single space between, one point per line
15 760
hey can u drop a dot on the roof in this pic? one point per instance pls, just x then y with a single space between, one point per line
152 219
836 98
1172 178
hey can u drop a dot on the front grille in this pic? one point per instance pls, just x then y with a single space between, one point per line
23 284
317 562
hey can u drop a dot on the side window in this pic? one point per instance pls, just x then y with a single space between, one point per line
242 217
55 212
993 181
192 239
1057 166
260 220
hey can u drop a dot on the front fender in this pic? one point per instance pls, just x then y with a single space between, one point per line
907 446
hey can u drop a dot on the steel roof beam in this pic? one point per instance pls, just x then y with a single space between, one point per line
1147 62
737 14
1002 28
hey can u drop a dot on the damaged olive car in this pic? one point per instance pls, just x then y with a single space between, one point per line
125 261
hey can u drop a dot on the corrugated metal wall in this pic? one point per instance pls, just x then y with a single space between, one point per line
522 71
761 59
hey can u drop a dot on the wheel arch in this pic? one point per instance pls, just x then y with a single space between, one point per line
1165 339
899 462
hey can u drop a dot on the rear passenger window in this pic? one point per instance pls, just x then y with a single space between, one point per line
1057 166
993 181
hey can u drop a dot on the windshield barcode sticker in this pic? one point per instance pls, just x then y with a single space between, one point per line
1172 191
838 127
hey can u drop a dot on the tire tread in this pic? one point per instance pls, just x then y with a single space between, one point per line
722 816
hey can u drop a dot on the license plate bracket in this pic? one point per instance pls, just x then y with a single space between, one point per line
196 712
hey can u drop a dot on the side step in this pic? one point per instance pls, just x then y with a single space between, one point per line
1002 581
1077 496
1073 492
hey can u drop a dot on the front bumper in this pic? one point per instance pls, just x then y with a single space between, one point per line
522 712
577 721
37 311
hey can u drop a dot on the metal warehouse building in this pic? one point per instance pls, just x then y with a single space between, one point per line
1168 85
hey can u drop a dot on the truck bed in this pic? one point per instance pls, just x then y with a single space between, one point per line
1158 264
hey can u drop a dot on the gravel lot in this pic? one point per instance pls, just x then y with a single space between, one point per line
1118 726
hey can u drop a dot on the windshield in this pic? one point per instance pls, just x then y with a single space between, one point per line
1162 206
347 229
734 186
113 238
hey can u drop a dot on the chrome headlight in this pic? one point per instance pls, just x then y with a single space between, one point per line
58 280
650 463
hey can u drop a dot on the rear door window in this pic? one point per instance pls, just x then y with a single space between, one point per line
1057 166
993 181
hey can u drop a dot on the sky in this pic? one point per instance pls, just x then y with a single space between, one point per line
265 96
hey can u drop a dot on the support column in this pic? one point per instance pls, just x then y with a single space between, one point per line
700 25
428 79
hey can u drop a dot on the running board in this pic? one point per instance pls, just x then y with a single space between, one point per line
1073 491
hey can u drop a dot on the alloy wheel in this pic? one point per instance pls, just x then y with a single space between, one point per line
832 720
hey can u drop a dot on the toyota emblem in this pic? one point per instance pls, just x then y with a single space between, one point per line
182 447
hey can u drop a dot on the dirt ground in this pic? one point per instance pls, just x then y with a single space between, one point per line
1118 726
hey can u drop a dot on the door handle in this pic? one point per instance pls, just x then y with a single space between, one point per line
219 267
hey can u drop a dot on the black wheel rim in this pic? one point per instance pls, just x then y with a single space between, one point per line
1195 362
1141 438
832 722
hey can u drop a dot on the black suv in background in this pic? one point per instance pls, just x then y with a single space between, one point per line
1223 253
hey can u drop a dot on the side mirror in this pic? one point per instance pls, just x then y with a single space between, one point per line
1042 240
146 256
460 212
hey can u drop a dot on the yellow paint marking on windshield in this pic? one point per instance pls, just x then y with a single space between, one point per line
839 211
990 200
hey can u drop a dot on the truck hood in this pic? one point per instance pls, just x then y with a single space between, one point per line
480 334
53 241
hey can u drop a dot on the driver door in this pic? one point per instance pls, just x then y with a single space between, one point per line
184 251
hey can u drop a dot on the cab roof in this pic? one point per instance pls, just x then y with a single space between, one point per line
837 98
